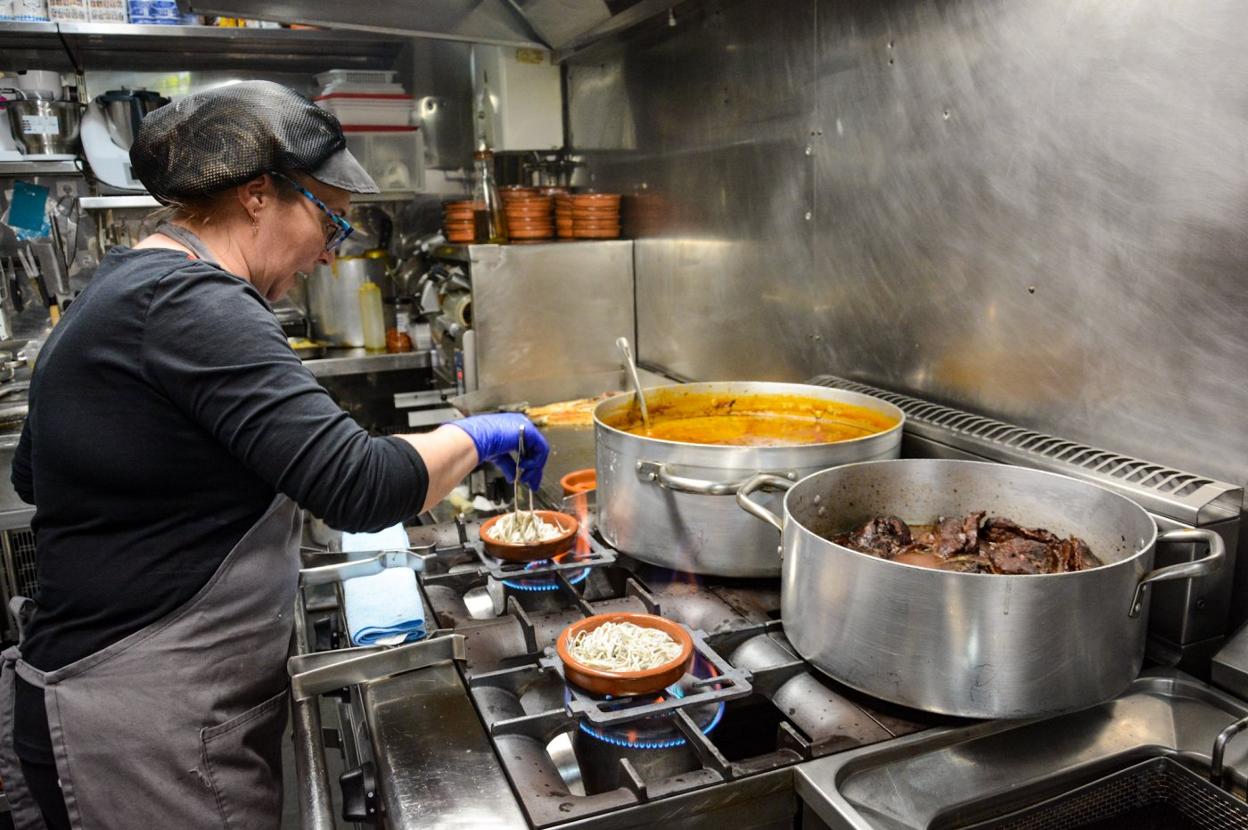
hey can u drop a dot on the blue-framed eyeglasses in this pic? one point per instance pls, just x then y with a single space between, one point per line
337 231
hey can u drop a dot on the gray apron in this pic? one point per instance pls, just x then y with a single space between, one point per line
180 723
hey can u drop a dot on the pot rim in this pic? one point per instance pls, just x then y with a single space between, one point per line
776 388
790 521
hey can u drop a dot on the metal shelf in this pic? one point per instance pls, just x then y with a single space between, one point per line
360 361
32 46
118 202
39 168
126 46
385 196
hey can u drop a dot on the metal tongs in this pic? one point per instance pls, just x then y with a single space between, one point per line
527 522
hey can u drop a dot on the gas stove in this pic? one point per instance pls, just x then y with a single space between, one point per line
748 708
487 734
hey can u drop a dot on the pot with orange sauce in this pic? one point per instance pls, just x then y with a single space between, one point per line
665 495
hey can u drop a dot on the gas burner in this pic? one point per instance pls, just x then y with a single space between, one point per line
464 563
539 584
710 680
658 731
586 555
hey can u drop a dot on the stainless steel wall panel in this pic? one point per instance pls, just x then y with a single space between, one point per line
474 21
1032 210
549 309
1038 210
706 126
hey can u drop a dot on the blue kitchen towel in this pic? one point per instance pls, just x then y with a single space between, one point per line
392 538
384 607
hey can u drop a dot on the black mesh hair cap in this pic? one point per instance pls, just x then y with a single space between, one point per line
222 137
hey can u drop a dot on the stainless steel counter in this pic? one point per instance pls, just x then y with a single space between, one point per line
440 768
909 782
1230 664
361 361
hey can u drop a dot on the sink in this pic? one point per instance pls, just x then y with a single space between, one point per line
953 778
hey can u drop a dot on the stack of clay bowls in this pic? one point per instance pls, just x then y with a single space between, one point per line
595 215
457 221
528 214
563 214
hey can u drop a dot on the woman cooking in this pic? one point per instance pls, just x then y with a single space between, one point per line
172 438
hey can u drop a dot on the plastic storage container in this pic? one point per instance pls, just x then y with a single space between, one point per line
108 11
30 11
368 109
154 12
392 157
356 76
69 11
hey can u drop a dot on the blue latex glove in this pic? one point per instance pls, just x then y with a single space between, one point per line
497 436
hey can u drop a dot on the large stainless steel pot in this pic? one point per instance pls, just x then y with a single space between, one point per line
975 645
670 504
334 296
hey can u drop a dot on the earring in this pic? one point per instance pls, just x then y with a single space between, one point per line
255 227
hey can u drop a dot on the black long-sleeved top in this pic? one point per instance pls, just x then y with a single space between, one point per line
166 412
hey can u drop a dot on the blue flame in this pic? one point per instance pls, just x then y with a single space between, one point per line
538 585
667 743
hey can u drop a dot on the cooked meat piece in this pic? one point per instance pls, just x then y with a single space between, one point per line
1073 554
971 544
1019 555
997 529
957 536
884 536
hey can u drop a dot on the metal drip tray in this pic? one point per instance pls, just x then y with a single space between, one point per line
1160 794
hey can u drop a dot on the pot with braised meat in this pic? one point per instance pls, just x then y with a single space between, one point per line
967 588
665 491
975 543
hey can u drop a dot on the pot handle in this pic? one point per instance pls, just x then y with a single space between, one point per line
1183 570
755 509
661 475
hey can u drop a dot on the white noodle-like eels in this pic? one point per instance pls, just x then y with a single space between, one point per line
623 647
524 527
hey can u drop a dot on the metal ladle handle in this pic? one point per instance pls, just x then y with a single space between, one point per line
627 351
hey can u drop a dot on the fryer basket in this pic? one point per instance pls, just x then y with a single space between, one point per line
1158 794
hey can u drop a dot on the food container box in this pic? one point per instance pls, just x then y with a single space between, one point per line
367 110
108 11
392 156
356 76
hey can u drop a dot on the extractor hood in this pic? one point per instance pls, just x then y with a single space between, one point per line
559 25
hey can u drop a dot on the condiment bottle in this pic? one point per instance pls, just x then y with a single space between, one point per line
372 317
489 221
397 338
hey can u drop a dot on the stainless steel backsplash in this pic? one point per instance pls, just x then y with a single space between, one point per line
1037 211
